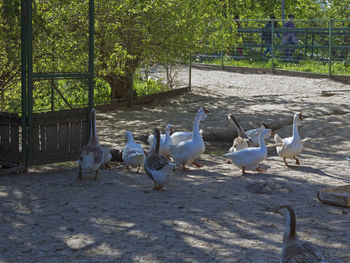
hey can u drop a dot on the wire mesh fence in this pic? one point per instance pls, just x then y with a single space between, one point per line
320 46
63 55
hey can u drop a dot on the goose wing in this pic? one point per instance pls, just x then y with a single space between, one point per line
240 131
255 132
156 162
96 150
303 252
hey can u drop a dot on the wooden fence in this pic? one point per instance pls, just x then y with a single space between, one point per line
10 128
57 137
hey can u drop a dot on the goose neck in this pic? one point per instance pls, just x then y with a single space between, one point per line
129 137
93 135
167 135
290 225
196 132
262 140
295 130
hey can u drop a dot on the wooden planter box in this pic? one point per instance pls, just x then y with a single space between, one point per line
339 195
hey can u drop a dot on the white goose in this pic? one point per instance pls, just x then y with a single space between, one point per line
133 154
157 166
92 156
251 137
107 157
188 151
295 250
238 144
249 158
290 147
165 141
182 136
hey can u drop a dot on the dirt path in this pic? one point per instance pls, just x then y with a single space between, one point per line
211 214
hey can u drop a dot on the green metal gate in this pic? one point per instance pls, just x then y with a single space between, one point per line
52 136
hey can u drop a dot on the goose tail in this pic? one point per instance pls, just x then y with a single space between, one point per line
278 139
239 128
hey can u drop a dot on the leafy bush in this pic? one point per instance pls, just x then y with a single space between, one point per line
150 86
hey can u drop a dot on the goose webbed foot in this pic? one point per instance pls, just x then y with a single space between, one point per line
185 168
157 186
284 159
80 177
95 177
260 170
197 164
107 166
297 162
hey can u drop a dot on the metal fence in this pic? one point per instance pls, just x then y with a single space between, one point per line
320 46
54 81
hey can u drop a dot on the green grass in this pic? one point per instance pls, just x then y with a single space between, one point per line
313 66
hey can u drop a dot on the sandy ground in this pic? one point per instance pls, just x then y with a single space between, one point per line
209 214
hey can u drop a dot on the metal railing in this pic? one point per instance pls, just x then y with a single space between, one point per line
324 42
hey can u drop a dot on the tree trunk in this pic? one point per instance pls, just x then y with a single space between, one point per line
122 85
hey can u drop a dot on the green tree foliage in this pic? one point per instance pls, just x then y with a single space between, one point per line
128 34
10 50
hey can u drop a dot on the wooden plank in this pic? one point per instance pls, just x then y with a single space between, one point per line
75 137
59 140
15 136
63 137
43 138
51 138
60 116
36 140
6 118
47 159
85 133
14 153
9 137
12 170
4 134
8 164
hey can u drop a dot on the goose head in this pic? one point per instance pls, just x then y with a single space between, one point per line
266 133
268 126
290 218
170 168
283 210
169 128
128 136
202 113
298 117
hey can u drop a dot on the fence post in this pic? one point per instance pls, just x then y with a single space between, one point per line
305 43
24 16
330 48
29 82
190 73
272 47
91 53
222 59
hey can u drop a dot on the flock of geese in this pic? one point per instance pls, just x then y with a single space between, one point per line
180 149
